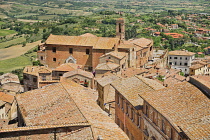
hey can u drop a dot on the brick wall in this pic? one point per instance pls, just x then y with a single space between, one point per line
63 52
127 118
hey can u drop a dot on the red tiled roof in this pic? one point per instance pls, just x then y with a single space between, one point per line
174 35
131 87
6 97
78 72
67 67
95 42
179 52
35 70
184 106
64 104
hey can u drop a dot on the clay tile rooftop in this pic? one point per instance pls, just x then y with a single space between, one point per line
107 66
185 107
196 66
67 103
35 70
179 52
6 97
131 87
119 55
91 41
107 79
78 72
67 67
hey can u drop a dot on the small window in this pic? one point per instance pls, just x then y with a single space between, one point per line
41 58
147 110
121 103
126 108
71 50
186 58
60 74
171 135
54 59
170 63
118 100
174 63
180 63
138 121
54 49
34 79
170 57
163 126
43 78
175 57
87 51
180 57
185 69
185 64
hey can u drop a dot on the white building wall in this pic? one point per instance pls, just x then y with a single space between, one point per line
181 62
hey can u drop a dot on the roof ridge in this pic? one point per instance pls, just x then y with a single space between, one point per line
74 101
144 81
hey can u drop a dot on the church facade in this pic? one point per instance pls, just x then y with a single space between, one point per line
87 48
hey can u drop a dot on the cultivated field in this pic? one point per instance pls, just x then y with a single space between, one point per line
16 51
6 32
14 63
12 42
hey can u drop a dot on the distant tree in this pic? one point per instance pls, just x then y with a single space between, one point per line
37 63
24 44
36 30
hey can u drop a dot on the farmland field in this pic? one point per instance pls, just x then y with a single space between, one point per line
14 63
12 42
16 51
6 32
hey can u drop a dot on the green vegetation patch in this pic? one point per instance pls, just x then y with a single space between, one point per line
12 42
14 63
1 22
6 32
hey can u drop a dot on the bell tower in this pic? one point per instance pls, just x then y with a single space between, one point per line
120 29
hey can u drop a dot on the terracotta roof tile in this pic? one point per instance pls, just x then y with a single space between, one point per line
88 35
131 87
203 79
119 55
64 104
47 109
196 66
78 72
107 66
67 67
178 52
35 70
142 42
129 72
101 124
185 106
107 79
6 97
95 42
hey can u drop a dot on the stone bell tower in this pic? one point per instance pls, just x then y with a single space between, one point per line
120 29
